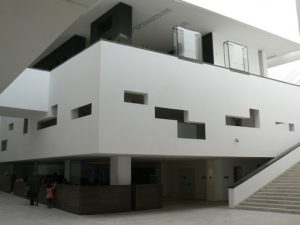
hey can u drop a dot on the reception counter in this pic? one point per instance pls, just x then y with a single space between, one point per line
147 196
6 183
84 200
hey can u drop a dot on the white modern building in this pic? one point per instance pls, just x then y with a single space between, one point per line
145 101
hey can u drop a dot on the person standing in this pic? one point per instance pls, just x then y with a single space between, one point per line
50 194
33 187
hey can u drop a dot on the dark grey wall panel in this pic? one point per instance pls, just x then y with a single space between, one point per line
114 25
208 48
61 54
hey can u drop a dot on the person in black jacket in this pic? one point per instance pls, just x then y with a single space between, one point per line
33 187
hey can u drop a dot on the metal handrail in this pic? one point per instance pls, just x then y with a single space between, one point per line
264 166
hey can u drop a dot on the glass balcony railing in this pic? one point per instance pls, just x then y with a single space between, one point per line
236 56
187 44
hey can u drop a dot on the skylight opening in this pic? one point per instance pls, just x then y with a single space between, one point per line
278 17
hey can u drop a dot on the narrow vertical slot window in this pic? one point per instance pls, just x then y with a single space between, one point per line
25 126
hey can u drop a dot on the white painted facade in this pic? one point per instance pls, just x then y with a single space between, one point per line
27 95
72 85
207 93
230 120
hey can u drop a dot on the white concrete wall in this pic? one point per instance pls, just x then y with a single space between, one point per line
207 92
73 84
250 186
102 73
29 92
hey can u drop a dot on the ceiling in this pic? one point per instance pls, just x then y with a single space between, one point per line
153 22
29 27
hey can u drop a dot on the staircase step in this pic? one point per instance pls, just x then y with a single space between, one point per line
274 201
281 189
278 193
269 209
272 197
271 205
284 183
282 186
289 178
282 194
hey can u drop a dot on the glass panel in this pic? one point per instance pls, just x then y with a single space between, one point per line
187 43
236 56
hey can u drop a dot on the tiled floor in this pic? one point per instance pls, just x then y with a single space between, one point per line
16 211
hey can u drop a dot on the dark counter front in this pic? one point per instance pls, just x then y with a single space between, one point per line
20 189
6 183
147 196
67 198
84 200
105 199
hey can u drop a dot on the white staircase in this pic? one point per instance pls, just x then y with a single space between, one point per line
280 195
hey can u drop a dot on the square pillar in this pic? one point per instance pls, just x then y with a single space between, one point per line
263 63
67 172
120 170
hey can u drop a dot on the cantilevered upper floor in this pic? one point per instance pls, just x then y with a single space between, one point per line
117 99
173 80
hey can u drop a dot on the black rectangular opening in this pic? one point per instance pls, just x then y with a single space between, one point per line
134 97
49 122
25 126
4 145
208 48
191 130
82 111
169 114
231 121
187 130
253 121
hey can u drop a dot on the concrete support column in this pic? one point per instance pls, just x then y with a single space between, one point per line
263 63
215 185
35 169
120 170
75 172
67 172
